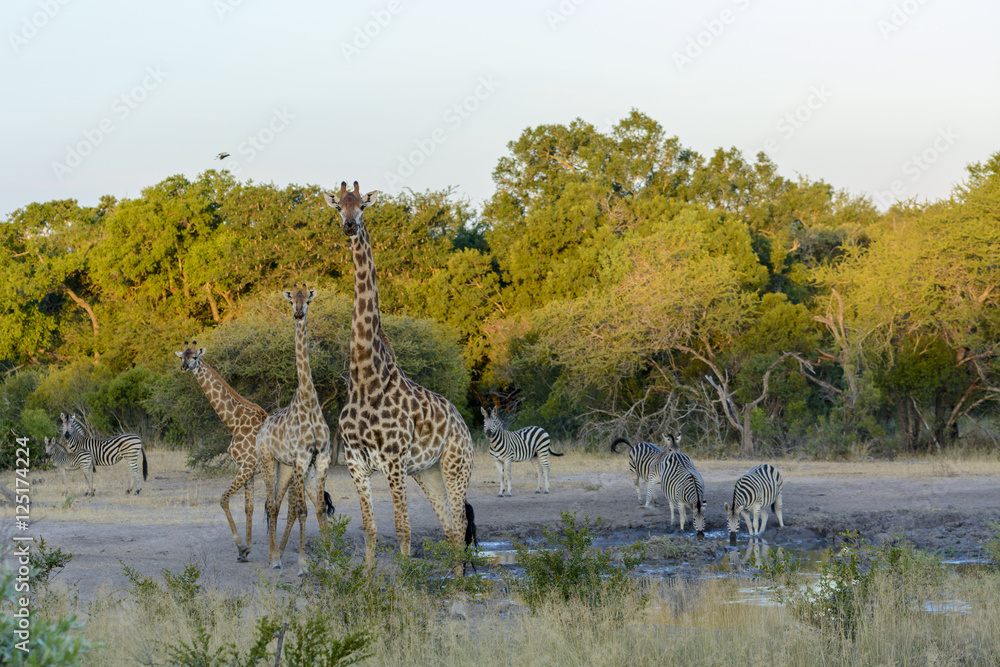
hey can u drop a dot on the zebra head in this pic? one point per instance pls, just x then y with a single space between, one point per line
50 445
66 425
190 356
699 510
491 422
300 300
672 442
732 520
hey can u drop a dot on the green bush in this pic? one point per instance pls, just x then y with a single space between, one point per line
854 582
567 567
10 431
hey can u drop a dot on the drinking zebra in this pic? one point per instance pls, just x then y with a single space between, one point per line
65 460
645 461
530 442
684 488
107 451
754 491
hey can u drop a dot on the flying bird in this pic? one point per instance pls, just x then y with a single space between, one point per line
222 156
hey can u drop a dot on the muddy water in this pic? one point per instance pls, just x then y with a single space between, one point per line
736 562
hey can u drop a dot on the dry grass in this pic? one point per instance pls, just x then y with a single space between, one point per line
707 622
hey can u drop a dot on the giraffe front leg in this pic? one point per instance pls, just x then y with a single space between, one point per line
363 484
248 509
322 465
240 481
397 488
282 479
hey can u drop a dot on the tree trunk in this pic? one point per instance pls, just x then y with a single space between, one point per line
903 419
211 302
6 494
746 436
940 417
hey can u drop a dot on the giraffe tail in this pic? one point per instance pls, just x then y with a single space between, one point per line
145 468
470 527
328 508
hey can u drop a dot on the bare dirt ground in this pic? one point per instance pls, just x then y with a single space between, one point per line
940 505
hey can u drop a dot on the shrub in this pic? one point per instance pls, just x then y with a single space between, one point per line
567 567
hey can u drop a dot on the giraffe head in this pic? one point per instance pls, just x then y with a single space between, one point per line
299 299
351 205
491 422
190 356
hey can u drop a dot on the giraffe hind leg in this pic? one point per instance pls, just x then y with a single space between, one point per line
244 477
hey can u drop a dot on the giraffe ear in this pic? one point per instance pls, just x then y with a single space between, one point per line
332 200
288 295
312 295
369 199
179 354
201 351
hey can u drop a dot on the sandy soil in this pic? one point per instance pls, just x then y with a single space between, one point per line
939 505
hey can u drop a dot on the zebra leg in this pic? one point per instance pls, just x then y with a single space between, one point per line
777 510
764 514
538 473
133 474
638 493
681 507
649 489
545 467
747 520
510 479
500 473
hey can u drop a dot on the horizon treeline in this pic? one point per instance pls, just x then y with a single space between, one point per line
615 284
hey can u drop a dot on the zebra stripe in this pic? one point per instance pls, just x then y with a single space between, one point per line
506 447
754 492
107 451
65 460
645 461
684 488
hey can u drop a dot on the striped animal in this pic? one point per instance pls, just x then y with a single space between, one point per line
684 488
754 491
530 442
107 451
645 461
65 460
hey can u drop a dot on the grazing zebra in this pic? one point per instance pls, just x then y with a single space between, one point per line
645 461
754 491
530 442
107 451
65 460
684 488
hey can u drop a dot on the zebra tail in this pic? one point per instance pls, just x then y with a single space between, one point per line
614 445
145 468
555 453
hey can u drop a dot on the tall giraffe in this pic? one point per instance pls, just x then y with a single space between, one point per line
390 423
298 438
243 419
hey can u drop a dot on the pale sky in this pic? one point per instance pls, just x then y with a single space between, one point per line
110 97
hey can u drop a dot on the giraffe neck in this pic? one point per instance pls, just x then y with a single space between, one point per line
368 352
306 388
227 403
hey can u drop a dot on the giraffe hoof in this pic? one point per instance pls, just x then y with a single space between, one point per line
242 559
276 566
546 493
500 495
537 491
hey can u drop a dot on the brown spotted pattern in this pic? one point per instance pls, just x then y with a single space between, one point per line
298 438
390 424
243 419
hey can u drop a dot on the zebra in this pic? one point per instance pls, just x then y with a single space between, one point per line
65 460
645 461
684 488
754 491
530 442
107 451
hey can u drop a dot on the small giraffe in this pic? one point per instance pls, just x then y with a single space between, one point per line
243 419
298 438
390 423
